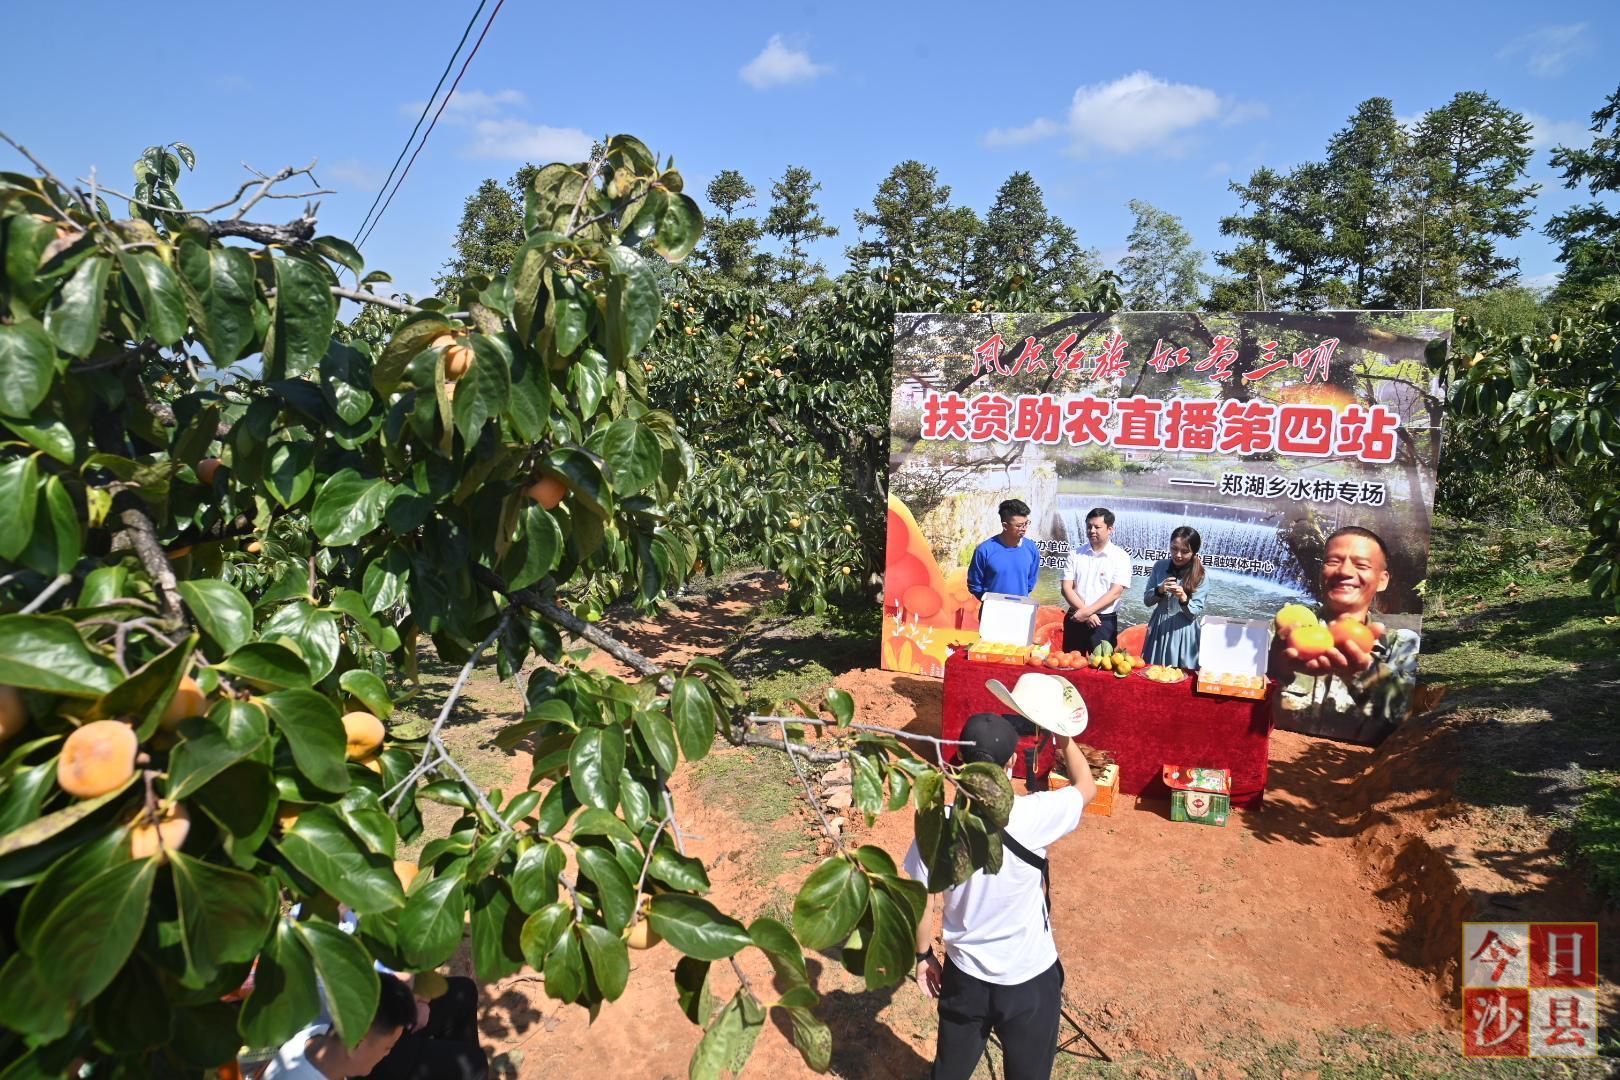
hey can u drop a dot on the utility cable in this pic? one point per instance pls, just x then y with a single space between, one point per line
428 104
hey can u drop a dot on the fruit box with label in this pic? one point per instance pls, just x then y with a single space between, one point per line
1199 795
1107 779
1233 655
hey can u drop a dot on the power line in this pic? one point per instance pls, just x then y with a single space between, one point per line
431 123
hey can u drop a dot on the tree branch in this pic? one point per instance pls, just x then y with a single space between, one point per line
560 616
57 584
300 230
794 749
143 538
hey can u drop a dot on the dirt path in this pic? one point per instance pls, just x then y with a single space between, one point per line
1177 938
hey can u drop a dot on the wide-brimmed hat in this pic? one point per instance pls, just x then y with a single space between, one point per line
1046 700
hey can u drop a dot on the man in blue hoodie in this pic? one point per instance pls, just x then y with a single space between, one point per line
1008 562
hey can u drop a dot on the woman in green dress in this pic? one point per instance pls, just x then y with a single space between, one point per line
1175 596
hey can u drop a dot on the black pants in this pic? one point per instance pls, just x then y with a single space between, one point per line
446 1048
1024 1018
1082 637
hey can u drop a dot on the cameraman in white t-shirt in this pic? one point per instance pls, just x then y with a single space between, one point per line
1001 971
1097 576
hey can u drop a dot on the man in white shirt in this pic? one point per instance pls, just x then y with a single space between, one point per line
318 1052
1001 970
1097 576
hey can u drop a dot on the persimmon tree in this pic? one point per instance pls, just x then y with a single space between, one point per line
1554 395
229 530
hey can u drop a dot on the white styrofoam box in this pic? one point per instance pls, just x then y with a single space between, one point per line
1234 646
1007 618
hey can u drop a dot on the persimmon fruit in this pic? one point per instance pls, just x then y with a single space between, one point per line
548 491
188 701
207 467
151 837
1348 630
1310 641
1294 615
364 734
97 758
13 713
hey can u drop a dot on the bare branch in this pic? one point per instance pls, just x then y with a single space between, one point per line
58 583
300 230
435 744
46 173
758 720
793 748
815 803
287 173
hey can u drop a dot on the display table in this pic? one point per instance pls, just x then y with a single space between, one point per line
1147 725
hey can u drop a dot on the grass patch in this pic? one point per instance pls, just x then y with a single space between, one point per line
782 656
1532 663
1596 832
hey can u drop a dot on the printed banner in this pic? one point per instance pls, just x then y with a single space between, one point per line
1263 431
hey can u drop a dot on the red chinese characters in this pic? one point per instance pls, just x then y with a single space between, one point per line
1191 426
1084 419
1222 354
990 418
1139 424
1038 419
1367 433
1111 362
1530 990
1247 427
945 416
1305 430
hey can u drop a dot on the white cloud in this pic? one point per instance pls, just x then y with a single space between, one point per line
778 65
1018 136
1546 134
495 124
353 174
520 140
1548 49
465 104
1139 111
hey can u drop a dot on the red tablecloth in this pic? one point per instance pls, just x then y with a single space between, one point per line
1147 725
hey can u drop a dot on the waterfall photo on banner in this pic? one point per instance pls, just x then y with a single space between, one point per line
1265 431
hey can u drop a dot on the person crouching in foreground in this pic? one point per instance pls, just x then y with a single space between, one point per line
1001 970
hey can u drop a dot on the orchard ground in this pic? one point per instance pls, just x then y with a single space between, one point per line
1315 937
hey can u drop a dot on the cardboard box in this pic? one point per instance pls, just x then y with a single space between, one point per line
1199 795
1107 779
1203 807
1233 655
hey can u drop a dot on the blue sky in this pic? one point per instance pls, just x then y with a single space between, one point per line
1165 102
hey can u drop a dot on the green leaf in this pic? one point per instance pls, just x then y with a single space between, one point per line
484 391
431 925
633 304
613 885
302 311
542 930
290 472
51 435
370 690
221 611
147 692
266 665
497 928
92 933
225 915
19 493
341 252
323 848
234 730
594 764
314 631
589 376
867 784
284 997
133 1013
56 547
696 927
346 382
349 506
534 881
693 711
219 291
678 871
162 300
659 736
345 970
680 226
314 732
45 652
75 320
27 366
609 958
729 1040
40 829
890 949
565 968
830 903
413 335
782 949
990 789
573 322
538 549
813 1038
692 988
842 705
632 455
